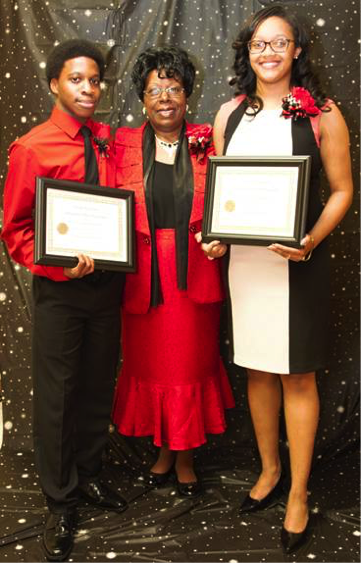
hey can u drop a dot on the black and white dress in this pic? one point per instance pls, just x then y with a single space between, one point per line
279 307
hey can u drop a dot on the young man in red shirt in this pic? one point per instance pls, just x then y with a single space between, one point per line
76 316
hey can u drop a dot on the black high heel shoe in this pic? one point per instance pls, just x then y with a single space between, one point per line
157 480
190 490
251 504
293 540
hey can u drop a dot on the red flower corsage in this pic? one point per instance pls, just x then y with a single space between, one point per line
299 103
199 140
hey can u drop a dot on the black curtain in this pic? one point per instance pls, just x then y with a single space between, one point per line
206 28
158 527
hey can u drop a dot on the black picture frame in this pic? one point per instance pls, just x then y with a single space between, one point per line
88 207
292 183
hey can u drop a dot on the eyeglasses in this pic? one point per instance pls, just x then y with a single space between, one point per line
277 45
172 91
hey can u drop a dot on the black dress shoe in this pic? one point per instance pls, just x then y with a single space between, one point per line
293 540
158 479
99 495
190 490
251 504
58 536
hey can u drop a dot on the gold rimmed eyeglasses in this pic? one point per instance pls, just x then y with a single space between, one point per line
156 91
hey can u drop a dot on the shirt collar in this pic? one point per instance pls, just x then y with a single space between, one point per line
68 123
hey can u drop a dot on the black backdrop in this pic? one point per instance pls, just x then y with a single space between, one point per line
206 28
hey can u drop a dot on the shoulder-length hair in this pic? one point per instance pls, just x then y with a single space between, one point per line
302 74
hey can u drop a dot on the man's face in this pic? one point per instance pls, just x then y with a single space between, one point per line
77 89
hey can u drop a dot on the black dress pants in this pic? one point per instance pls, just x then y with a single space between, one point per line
76 344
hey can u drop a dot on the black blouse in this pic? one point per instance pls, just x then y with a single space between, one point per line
163 196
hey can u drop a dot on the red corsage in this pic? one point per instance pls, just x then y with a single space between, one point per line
199 140
299 103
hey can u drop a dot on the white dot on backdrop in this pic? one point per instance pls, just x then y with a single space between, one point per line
23 119
7 75
129 118
320 22
2 296
42 64
110 555
88 13
8 425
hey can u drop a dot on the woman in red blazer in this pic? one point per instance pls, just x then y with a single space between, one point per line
172 385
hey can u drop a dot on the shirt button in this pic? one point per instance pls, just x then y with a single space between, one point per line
192 229
146 240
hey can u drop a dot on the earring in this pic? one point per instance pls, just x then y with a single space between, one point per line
144 111
187 107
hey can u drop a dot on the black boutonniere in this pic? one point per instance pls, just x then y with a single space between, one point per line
103 144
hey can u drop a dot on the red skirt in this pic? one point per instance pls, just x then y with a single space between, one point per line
172 385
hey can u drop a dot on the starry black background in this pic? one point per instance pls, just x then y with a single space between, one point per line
206 29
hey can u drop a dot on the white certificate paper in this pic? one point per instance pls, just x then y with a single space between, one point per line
79 222
255 200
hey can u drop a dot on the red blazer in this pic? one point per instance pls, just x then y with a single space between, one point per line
204 279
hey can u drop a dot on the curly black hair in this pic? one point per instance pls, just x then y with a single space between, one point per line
169 61
302 74
70 50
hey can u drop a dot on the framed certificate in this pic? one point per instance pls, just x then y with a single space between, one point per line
71 217
256 200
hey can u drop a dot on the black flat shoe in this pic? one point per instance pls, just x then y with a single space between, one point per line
189 490
58 536
251 504
157 480
99 495
293 540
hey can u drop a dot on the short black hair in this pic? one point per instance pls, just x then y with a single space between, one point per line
171 61
70 50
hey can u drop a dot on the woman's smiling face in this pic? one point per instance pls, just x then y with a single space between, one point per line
165 112
271 67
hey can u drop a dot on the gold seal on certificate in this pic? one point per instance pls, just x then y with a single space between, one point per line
256 200
230 205
71 217
62 228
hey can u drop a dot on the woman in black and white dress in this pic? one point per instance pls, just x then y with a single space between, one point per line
279 294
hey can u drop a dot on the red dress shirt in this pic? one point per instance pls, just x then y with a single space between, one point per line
54 149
